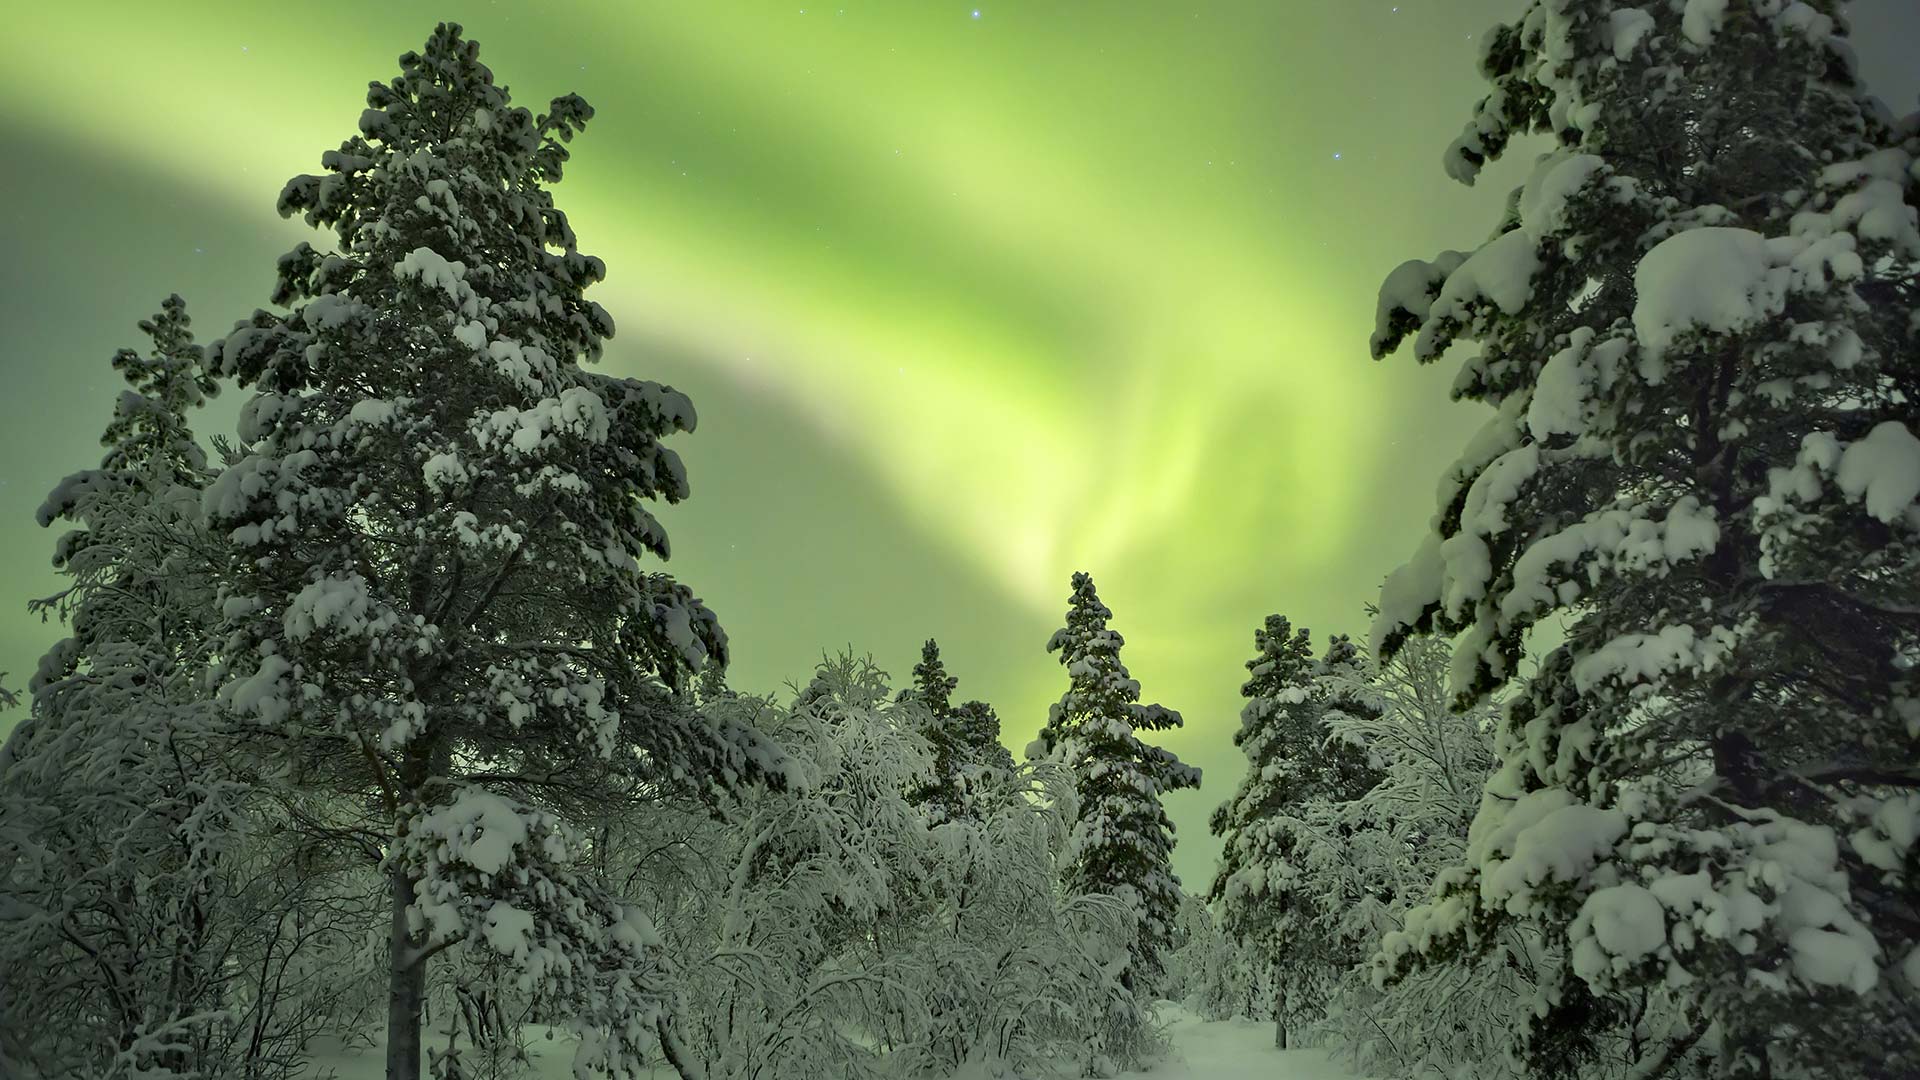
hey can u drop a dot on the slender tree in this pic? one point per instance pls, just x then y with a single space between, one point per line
1696 327
440 520
1122 839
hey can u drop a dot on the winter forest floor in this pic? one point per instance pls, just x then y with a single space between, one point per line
1202 1050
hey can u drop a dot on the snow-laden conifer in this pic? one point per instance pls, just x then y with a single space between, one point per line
1695 326
965 740
1122 839
443 522
1294 763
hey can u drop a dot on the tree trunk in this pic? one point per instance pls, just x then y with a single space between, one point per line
406 986
1279 1010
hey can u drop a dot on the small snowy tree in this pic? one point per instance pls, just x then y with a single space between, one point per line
1696 328
439 522
965 739
1122 839
1294 764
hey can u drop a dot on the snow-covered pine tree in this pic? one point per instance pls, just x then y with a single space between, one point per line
978 727
1122 839
440 521
965 740
1294 764
1250 880
1696 326
944 792
123 821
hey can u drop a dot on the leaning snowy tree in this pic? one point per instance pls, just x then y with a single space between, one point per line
1122 840
1293 764
1697 328
441 519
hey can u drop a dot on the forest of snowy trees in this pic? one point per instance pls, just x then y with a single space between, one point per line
381 715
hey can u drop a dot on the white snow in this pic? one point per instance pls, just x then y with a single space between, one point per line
1408 590
1557 178
1626 923
509 931
340 604
430 268
264 692
1825 958
1714 279
371 411
1702 20
1884 469
1202 1050
1643 658
1628 27
443 470
1561 846
479 828
1500 272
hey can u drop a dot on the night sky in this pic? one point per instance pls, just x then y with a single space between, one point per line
967 298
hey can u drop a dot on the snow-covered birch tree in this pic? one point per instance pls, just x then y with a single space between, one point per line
442 523
1695 326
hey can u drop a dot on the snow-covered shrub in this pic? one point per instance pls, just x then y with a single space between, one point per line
833 929
1368 859
1210 973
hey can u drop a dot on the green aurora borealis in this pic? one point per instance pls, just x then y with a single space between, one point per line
965 303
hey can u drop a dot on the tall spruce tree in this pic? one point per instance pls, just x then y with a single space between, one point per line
1293 764
1122 840
1696 325
441 520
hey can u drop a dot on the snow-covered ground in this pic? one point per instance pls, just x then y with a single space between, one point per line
1202 1050
1234 1050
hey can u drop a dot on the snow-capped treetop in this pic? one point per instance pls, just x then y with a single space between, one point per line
932 686
425 391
